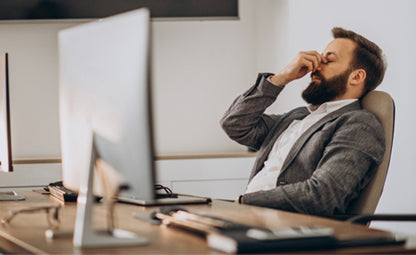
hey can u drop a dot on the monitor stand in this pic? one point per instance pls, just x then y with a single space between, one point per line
10 196
84 234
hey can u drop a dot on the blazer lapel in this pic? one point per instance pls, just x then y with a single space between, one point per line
309 132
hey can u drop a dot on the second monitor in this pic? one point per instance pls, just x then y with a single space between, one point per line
106 107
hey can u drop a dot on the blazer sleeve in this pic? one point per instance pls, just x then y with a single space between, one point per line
245 121
354 151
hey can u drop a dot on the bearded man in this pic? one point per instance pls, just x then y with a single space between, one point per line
314 159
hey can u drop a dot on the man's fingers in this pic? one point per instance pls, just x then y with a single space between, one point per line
314 57
303 63
314 62
307 66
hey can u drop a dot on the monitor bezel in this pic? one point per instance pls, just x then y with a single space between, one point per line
5 104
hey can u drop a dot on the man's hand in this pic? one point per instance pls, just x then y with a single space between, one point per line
303 63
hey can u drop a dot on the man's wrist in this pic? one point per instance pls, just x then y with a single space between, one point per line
277 80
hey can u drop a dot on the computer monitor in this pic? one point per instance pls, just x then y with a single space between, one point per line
106 111
104 90
104 106
105 94
5 133
6 164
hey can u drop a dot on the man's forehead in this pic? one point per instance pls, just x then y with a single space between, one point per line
339 47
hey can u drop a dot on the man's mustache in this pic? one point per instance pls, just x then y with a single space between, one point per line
317 74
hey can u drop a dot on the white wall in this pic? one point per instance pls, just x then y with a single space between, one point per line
200 66
221 178
33 75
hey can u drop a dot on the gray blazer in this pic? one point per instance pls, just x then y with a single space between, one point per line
328 165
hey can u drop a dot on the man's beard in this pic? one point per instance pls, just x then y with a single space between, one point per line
318 93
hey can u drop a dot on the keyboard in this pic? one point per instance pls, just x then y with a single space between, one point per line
57 190
63 194
166 195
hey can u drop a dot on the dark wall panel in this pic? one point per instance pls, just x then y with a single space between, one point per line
81 9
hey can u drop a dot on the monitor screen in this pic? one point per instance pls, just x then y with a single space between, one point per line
5 133
105 102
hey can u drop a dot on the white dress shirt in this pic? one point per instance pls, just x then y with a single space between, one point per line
267 177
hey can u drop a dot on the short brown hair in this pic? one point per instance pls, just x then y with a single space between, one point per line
367 55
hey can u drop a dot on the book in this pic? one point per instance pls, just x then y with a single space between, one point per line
256 241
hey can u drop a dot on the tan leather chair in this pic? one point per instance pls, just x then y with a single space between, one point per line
382 105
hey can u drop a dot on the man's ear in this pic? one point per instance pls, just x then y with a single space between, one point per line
357 76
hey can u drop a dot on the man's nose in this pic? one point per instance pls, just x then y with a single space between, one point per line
319 68
323 62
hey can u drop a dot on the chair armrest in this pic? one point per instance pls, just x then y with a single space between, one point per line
366 218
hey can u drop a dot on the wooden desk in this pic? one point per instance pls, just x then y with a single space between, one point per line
26 232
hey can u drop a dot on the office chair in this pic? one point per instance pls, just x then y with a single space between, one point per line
382 105
362 210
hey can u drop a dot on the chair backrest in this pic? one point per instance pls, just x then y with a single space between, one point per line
382 105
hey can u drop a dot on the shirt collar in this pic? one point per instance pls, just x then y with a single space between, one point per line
330 106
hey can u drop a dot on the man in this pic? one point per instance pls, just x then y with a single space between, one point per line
314 159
